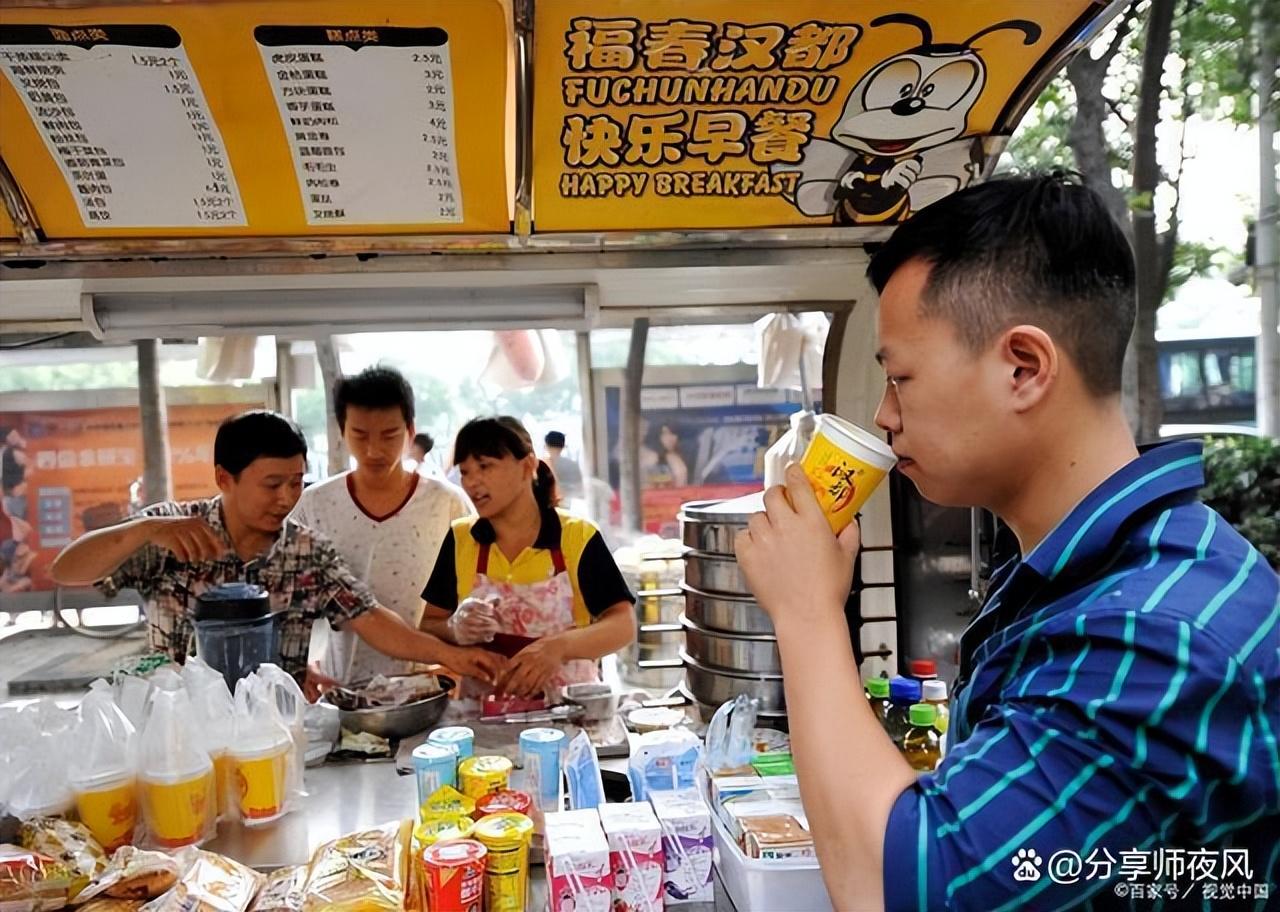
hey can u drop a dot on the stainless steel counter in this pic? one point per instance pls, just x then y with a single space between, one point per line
344 798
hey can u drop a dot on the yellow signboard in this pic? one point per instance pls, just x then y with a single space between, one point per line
292 117
666 114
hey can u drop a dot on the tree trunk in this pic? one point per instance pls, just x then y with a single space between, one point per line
1268 245
330 372
154 412
629 439
1151 273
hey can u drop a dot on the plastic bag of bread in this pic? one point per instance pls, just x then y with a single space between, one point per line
134 874
284 891
362 872
31 881
69 843
209 883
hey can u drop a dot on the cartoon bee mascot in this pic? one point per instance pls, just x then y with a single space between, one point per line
897 146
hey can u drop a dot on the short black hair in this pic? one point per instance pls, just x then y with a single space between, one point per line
373 388
424 442
254 435
554 439
1040 249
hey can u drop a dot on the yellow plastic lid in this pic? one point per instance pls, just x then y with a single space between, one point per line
504 831
486 766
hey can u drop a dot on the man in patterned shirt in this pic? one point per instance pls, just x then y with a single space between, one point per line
173 552
1118 702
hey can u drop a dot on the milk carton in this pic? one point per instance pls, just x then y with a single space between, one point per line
687 845
635 852
579 877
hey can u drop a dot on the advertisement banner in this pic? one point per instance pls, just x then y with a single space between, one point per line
670 114
69 472
698 441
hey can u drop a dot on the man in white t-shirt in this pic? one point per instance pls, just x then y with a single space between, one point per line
387 522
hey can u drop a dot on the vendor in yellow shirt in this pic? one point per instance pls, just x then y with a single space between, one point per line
523 578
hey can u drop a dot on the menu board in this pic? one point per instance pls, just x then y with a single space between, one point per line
368 114
125 119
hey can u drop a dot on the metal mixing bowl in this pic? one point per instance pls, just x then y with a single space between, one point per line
395 722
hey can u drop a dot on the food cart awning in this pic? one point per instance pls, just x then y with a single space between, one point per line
241 141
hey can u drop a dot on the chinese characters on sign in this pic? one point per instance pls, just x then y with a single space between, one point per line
358 104
643 95
124 117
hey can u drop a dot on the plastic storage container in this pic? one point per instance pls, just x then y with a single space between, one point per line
235 630
792 884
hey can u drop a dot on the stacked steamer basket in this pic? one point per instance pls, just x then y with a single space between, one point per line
730 647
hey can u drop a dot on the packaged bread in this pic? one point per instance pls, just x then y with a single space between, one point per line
111 905
209 883
31 881
134 874
67 842
362 872
284 891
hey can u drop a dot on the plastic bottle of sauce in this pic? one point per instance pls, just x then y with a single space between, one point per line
878 696
921 747
903 692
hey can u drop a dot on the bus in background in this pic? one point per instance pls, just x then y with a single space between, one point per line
1208 380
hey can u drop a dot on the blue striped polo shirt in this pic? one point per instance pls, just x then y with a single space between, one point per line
1118 693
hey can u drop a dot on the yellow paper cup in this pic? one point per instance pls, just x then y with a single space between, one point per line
224 773
179 809
261 776
108 806
844 464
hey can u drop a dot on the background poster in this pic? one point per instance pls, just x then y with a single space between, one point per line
68 472
702 441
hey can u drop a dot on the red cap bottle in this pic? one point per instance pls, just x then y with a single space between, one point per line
923 668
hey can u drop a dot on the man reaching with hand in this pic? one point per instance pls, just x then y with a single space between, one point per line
175 551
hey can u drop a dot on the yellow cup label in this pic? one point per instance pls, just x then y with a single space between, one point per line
110 814
842 482
261 785
177 813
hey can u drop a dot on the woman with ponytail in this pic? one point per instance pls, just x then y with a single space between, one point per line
523 578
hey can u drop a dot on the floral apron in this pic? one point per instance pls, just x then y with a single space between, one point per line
531 611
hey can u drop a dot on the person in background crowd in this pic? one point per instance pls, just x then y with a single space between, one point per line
175 551
567 471
536 583
421 447
386 522
1119 692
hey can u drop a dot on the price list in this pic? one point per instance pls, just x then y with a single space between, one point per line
368 113
122 113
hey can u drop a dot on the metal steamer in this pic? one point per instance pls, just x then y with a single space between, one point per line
730 647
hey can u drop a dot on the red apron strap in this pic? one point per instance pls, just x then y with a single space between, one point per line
557 560
482 561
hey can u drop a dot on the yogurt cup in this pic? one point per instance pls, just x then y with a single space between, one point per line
844 465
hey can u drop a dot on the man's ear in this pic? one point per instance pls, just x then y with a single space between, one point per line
222 478
1033 363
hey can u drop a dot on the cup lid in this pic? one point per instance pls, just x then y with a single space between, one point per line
101 779
542 736
481 766
435 751
455 853
505 830
452 733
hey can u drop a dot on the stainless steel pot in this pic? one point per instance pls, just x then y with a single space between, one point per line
710 687
707 711
727 613
710 527
714 573
399 721
736 652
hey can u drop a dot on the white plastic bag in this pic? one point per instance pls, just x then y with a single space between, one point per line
291 704
39 786
103 769
261 754
785 341
215 709
788 448
175 772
